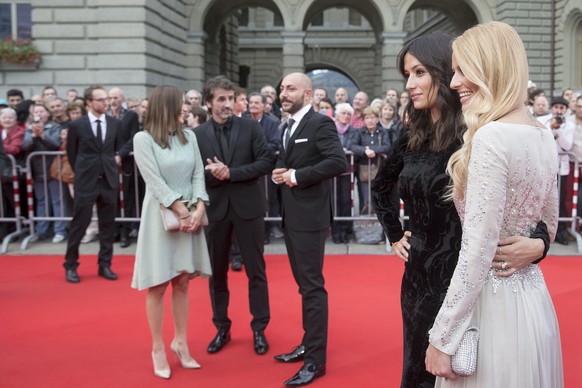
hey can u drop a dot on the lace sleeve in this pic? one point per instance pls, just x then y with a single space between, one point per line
382 185
145 158
484 207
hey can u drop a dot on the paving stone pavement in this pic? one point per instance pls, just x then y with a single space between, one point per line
277 246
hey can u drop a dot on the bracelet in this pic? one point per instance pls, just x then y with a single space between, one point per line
183 218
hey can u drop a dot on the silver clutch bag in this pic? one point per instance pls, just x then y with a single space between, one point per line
170 219
464 361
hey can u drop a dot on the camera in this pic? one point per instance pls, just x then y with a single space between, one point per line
559 119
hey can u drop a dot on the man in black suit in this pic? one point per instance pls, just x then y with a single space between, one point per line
237 157
91 146
310 157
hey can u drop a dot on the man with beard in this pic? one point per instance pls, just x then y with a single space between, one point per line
310 157
237 157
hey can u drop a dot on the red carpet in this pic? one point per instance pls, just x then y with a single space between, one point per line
95 334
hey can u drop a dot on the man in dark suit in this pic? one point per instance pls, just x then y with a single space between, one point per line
310 157
237 157
91 146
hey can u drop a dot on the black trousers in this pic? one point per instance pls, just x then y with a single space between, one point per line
106 199
343 206
129 204
250 235
306 251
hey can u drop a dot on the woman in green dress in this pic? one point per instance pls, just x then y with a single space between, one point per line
169 161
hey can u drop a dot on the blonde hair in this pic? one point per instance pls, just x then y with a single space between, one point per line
491 56
369 110
164 110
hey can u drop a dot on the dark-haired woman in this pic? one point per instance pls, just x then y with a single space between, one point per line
170 163
430 247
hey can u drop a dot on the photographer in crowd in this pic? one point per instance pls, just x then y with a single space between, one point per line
563 132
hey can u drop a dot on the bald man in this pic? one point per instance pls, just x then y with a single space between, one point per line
341 95
311 155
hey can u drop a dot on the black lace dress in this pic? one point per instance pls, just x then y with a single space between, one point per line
435 243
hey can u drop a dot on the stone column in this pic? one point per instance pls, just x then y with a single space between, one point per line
392 44
293 51
195 57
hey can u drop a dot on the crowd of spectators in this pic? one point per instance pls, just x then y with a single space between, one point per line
368 129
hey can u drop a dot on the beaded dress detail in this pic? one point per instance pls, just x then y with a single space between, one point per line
511 187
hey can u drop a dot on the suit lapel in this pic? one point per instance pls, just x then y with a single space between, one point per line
211 136
109 133
234 133
298 131
90 129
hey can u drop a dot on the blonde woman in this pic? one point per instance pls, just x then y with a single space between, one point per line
169 161
504 183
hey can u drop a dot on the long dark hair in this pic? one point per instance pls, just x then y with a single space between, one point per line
434 52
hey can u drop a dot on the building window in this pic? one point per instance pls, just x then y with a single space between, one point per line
317 20
354 17
277 19
15 20
243 17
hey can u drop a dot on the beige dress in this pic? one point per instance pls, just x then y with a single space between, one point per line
511 187
170 174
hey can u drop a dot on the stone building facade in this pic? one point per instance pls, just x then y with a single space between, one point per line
138 44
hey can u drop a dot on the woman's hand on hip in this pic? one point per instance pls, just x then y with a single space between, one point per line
402 246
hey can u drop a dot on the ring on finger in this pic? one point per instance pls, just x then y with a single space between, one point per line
504 266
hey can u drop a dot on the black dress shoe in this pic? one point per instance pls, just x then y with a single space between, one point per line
344 238
72 276
337 239
306 375
107 273
296 355
236 265
260 342
560 239
267 239
124 242
221 339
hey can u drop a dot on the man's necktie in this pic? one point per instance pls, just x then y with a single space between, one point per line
99 133
290 123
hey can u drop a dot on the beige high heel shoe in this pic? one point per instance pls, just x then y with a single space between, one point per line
188 364
161 371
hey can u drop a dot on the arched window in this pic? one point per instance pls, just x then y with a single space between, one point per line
331 80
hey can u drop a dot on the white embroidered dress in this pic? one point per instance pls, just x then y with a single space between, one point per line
512 185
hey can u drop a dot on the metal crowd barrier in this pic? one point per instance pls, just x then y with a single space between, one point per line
24 225
13 189
63 196
573 219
